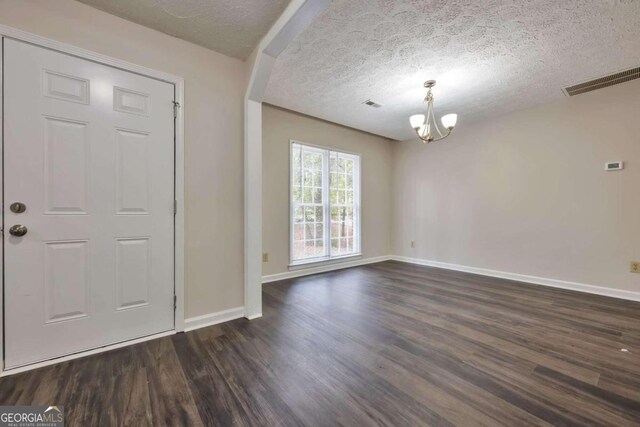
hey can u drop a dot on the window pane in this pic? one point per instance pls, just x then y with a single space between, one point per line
309 249
336 248
307 160
296 176
296 195
342 228
335 245
317 161
319 245
295 154
298 249
310 232
307 195
309 214
335 229
308 178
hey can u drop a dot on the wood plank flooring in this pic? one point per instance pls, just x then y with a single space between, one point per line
384 344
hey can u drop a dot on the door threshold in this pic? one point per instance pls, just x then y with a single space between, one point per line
60 359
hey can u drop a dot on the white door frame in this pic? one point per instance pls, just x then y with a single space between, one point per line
178 82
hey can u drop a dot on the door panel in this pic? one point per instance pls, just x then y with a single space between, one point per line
89 150
67 88
66 280
132 165
66 157
133 265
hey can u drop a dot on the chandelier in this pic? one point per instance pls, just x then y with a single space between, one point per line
426 126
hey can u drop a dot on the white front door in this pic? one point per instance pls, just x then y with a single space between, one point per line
89 152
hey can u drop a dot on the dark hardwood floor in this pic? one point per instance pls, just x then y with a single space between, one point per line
384 344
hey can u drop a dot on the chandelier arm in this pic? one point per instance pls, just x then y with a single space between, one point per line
429 112
424 129
431 117
426 139
435 122
444 136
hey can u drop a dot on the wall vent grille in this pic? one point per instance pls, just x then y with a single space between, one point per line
371 103
610 80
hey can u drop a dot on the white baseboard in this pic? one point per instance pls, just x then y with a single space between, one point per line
323 268
562 284
213 318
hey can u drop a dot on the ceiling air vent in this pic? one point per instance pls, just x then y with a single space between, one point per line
610 80
371 103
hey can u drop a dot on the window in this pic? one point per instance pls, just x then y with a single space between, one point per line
325 204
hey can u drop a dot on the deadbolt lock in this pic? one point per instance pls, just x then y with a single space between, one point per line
18 207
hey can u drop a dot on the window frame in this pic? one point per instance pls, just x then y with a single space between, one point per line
326 204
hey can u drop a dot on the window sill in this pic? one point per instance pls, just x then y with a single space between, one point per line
301 265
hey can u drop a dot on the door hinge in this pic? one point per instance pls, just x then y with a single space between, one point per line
175 303
175 207
176 105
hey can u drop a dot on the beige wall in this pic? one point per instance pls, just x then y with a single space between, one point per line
527 193
214 91
278 127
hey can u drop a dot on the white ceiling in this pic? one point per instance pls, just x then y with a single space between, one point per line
489 57
231 27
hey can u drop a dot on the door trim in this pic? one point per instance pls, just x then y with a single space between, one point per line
179 228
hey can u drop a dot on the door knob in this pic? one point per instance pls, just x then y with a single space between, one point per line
18 230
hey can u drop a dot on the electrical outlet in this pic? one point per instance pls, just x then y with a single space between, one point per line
413 243
635 266
265 257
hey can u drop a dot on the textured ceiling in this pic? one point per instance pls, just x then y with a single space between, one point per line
489 57
231 27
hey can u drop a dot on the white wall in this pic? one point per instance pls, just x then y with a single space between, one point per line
214 90
527 193
278 128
